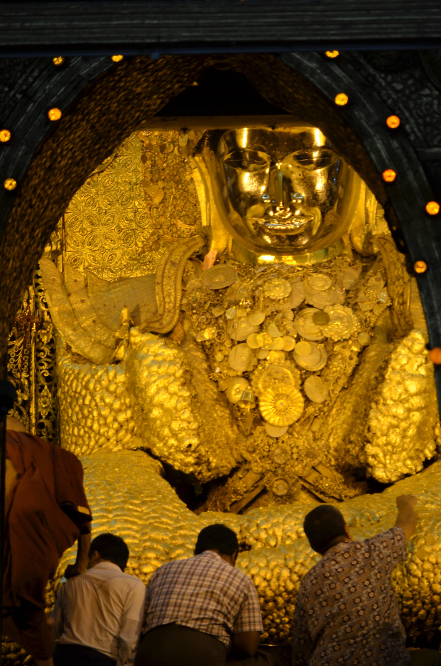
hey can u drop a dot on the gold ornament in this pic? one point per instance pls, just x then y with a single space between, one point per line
256 318
288 343
364 338
342 322
276 357
305 325
263 340
253 341
273 330
276 431
320 318
282 406
280 487
240 329
316 389
297 294
218 277
236 387
303 348
271 377
319 282
277 289
240 358
277 344
314 360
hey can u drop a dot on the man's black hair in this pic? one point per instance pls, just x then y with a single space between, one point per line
322 525
112 548
217 537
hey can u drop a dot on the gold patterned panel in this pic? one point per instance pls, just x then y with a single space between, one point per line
129 210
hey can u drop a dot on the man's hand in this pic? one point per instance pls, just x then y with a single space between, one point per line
246 643
73 570
406 518
406 501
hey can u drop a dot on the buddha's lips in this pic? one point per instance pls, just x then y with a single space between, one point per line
288 225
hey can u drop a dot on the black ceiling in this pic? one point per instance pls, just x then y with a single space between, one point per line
103 27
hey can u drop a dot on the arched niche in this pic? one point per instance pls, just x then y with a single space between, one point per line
113 104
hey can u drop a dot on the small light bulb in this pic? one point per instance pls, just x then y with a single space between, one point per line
10 184
332 54
59 60
117 58
432 208
5 135
435 355
393 122
341 99
389 175
420 266
54 114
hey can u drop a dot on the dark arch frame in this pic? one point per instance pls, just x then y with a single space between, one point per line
103 103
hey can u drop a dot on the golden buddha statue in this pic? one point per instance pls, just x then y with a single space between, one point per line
277 352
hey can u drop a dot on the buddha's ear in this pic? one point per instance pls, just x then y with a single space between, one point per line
368 221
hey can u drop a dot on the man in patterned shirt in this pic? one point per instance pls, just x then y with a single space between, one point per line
346 610
198 608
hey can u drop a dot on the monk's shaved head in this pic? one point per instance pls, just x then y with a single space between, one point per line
14 424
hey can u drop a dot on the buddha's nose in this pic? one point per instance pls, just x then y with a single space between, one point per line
278 195
279 181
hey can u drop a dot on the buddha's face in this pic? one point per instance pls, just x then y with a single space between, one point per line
282 190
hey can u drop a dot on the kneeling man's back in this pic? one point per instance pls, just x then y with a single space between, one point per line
346 609
198 608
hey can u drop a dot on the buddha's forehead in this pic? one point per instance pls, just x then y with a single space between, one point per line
276 143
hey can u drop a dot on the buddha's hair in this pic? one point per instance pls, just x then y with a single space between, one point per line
217 537
209 141
322 525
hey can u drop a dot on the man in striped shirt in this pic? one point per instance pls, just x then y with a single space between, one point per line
202 611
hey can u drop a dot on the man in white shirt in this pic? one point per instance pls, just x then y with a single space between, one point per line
98 615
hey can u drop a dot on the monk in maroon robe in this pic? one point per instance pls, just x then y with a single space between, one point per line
46 512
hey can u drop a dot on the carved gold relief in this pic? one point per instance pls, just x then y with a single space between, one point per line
31 364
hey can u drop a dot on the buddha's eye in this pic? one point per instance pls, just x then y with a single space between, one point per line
312 158
247 160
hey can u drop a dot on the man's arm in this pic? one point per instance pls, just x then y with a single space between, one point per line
131 622
83 546
248 625
57 619
406 518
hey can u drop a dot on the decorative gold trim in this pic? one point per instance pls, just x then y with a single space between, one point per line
169 284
